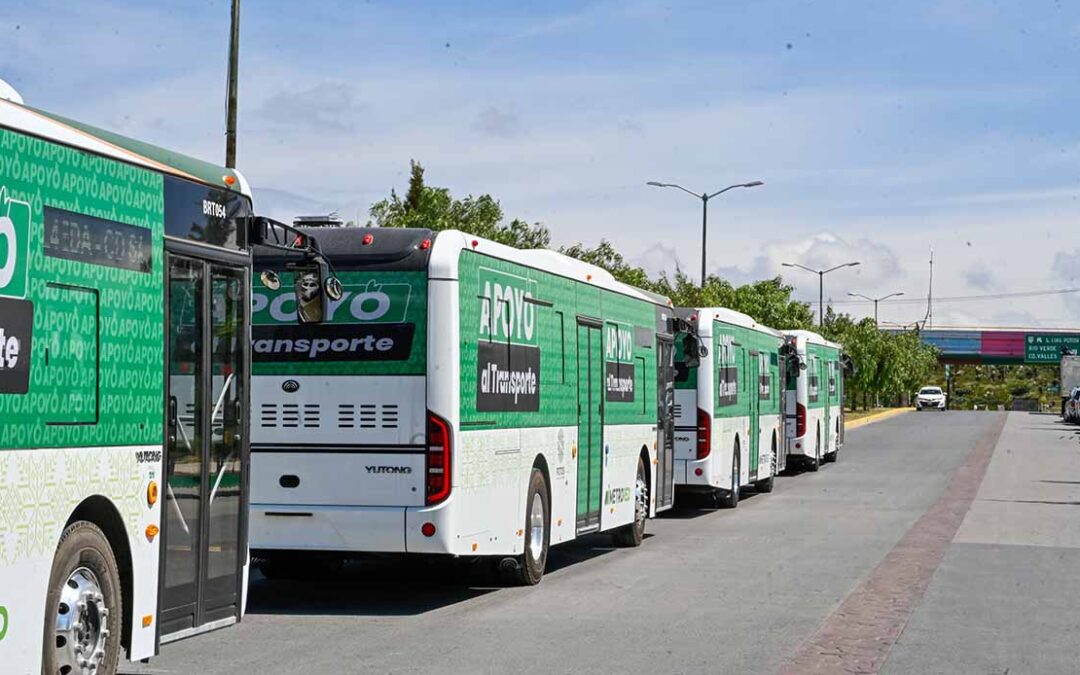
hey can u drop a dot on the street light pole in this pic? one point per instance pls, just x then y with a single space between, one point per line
820 298
704 231
821 284
875 301
704 197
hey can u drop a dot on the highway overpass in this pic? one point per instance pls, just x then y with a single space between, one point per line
967 344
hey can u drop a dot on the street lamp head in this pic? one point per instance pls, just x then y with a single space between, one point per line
753 184
655 184
853 264
786 265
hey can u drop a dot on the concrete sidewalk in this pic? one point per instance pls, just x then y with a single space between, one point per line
1005 597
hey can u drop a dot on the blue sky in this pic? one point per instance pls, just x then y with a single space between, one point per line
880 128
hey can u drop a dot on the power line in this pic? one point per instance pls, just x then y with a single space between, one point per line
963 298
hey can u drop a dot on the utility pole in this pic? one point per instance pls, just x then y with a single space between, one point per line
230 89
929 322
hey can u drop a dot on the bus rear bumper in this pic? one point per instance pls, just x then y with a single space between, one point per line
376 529
695 473
801 446
363 529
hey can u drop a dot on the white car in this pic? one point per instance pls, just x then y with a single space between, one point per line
930 397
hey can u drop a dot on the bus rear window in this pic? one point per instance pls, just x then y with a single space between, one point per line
378 327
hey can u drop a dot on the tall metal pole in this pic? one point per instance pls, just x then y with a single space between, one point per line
231 94
875 313
704 197
821 299
930 293
704 229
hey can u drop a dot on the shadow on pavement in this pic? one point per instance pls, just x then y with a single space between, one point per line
695 505
378 587
403 585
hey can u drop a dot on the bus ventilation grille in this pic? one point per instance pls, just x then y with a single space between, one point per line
309 416
290 416
367 416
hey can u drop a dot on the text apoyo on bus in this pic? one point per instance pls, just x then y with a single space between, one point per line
505 313
368 305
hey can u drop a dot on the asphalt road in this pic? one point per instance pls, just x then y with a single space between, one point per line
741 591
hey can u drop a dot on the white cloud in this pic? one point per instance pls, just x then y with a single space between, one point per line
326 107
878 264
658 260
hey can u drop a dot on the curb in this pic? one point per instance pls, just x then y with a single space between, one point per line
876 417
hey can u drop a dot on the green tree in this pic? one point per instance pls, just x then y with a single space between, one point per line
604 255
435 208
768 301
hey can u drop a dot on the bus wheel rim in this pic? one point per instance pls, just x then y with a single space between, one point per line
536 526
641 495
82 620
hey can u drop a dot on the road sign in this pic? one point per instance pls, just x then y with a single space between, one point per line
1046 347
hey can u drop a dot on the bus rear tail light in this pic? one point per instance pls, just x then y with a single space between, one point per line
800 420
704 434
438 459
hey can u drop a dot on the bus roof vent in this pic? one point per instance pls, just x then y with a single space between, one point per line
331 219
8 93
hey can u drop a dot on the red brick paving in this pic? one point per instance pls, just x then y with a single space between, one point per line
859 634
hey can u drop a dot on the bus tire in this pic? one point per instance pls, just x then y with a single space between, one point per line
633 534
731 499
530 564
84 606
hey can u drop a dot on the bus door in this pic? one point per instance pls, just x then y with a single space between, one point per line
779 387
665 423
823 392
752 360
590 459
205 486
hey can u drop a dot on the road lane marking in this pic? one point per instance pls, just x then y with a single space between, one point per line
859 634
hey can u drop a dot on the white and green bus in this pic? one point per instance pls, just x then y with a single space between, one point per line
463 398
814 414
124 372
728 431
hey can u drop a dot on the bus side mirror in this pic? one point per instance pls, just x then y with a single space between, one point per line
333 289
310 307
792 362
313 286
270 280
692 351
